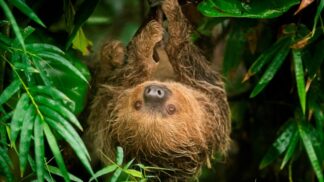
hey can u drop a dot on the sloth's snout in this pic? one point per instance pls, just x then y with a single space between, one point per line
155 94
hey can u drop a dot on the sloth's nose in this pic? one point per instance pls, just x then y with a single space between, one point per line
155 94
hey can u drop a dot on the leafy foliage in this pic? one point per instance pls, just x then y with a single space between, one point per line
34 107
125 173
295 43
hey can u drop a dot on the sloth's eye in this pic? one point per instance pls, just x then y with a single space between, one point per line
171 109
138 105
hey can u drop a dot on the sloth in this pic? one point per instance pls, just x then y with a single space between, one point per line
176 124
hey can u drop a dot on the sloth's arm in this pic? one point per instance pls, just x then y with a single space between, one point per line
188 61
138 59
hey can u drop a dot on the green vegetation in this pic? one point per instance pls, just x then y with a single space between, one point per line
272 66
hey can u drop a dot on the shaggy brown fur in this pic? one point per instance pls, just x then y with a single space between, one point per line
186 129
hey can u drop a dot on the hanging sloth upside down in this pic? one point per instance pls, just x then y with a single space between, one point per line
177 125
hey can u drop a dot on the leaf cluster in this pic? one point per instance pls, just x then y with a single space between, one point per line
263 37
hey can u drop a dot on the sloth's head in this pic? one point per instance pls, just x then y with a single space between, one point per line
158 117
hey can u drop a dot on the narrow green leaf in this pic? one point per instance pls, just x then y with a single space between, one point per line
55 94
13 22
42 72
63 61
27 11
299 73
43 47
266 56
46 175
271 70
10 91
24 33
310 152
56 151
134 173
56 171
116 175
39 148
119 162
56 106
25 67
318 15
104 171
49 113
5 168
18 116
280 145
291 149
119 156
68 137
128 164
25 137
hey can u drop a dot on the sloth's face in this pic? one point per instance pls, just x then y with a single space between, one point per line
158 114
160 102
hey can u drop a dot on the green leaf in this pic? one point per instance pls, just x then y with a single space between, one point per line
81 43
119 156
27 11
116 175
25 137
13 22
10 91
56 106
69 138
310 152
247 9
46 175
25 67
56 151
299 73
18 116
119 162
128 164
104 171
63 61
43 47
5 167
39 148
291 149
57 117
318 15
57 171
280 145
266 56
81 15
55 94
42 72
134 173
27 31
271 70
